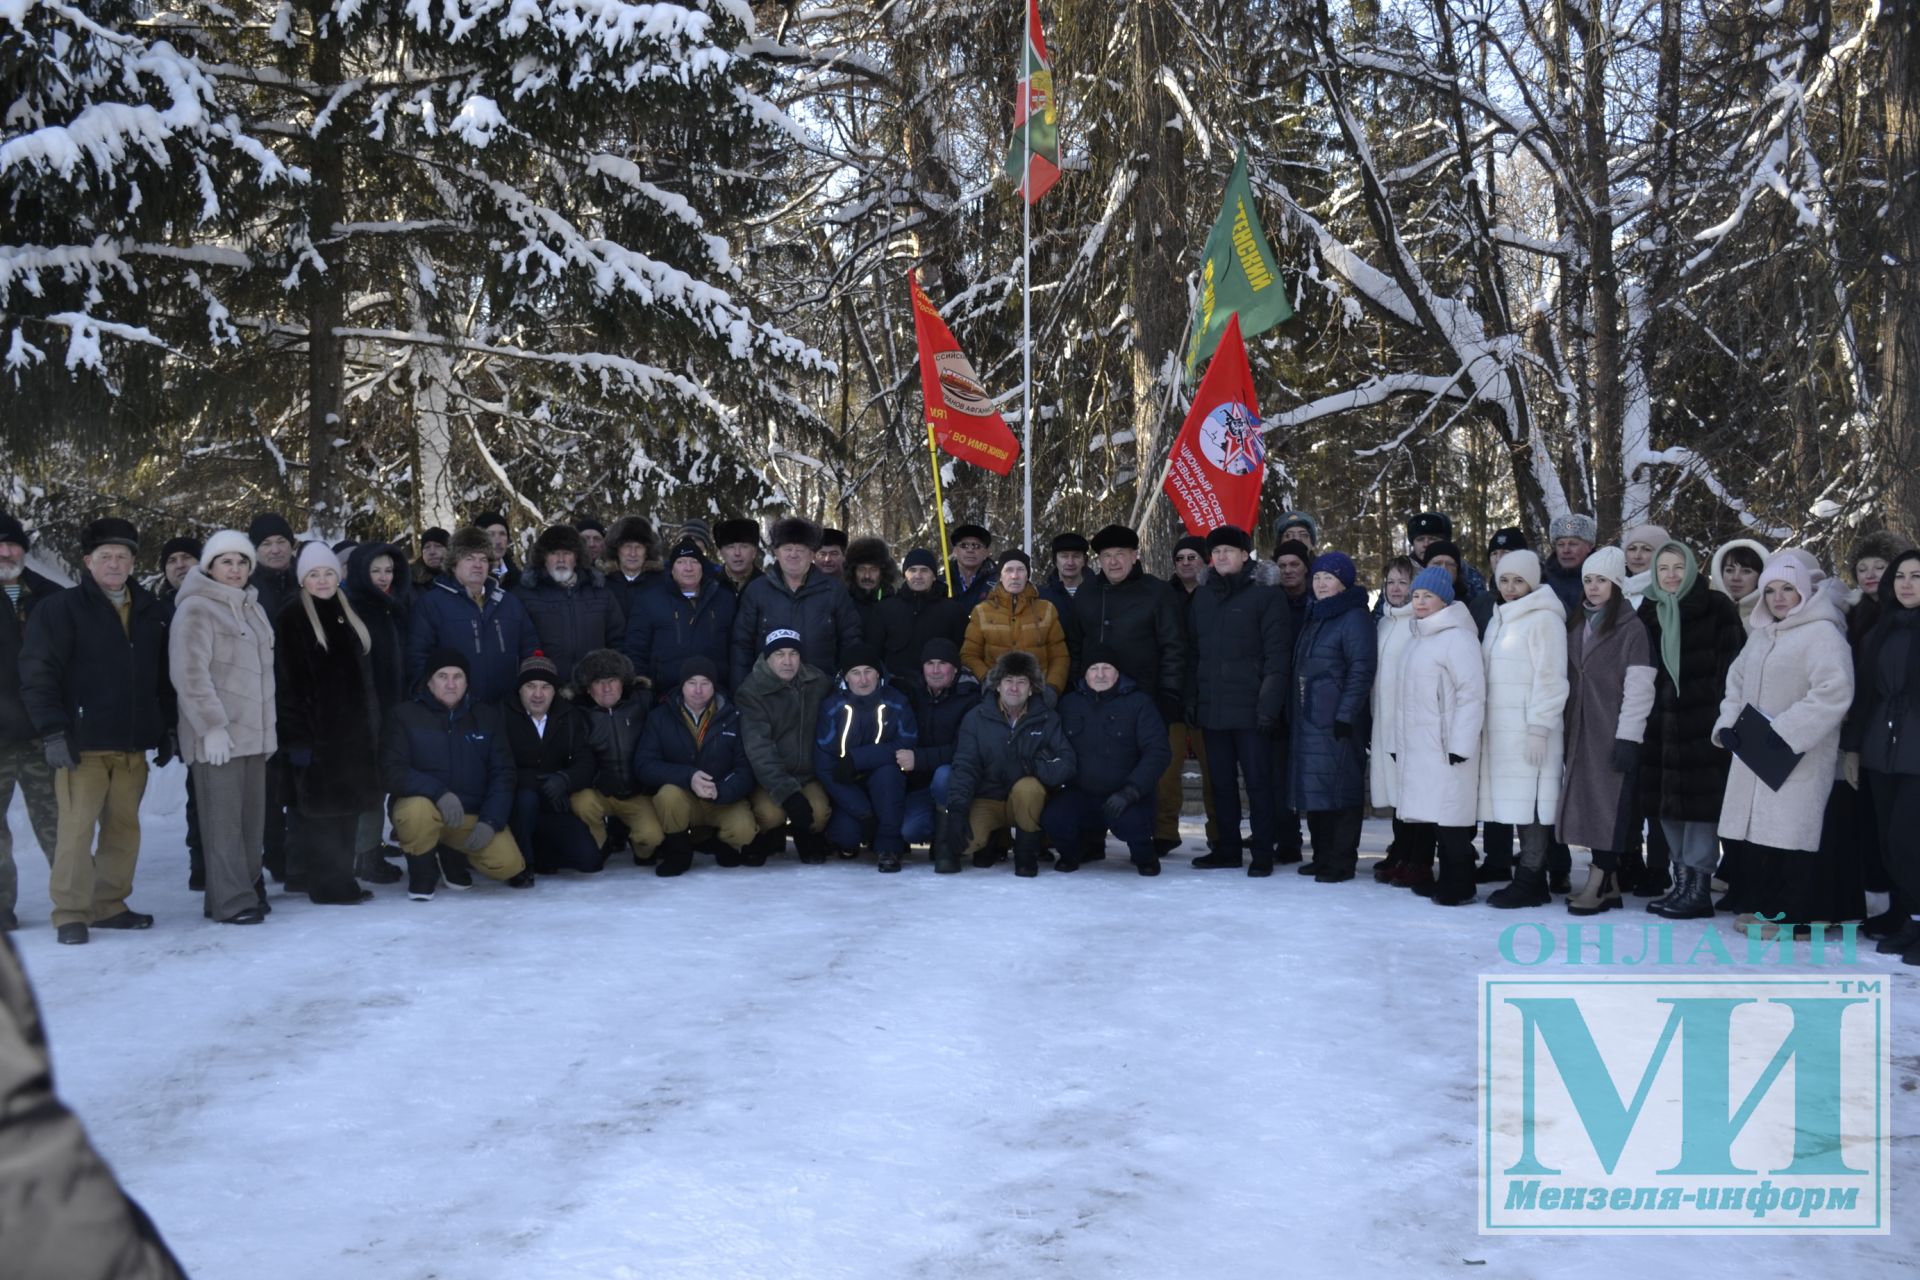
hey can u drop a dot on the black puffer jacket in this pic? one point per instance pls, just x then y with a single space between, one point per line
1884 722
939 717
1118 738
83 675
906 620
385 615
428 750
564 749
993 753
574 620
821 611
15 724
1138 618
1242 658
275 588
1685 774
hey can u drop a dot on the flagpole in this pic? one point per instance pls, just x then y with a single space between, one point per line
1026 280
940 510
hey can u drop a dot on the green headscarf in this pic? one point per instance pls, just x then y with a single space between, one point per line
1666 605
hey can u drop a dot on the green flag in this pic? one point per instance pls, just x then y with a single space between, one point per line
1240 277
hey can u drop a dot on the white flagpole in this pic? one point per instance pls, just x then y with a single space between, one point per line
1026 277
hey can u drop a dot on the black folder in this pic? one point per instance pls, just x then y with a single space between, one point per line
1762 750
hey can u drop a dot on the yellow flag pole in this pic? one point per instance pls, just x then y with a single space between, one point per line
940 511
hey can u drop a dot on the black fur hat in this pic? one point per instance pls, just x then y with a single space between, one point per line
602 664
559 537
728 532
795 529
466 541
1015 662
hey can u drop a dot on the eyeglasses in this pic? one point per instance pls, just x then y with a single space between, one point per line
970 545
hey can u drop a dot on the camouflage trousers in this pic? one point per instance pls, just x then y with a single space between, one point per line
23 763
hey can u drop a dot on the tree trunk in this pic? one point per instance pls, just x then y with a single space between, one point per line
1157 286
1900 317
1603 279
326 297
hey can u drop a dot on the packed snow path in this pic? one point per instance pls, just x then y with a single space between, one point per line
823 1072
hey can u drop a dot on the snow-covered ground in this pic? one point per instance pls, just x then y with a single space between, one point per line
823 1072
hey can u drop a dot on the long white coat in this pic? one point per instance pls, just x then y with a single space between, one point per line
1799 671
1525 649
1442 699
1393 630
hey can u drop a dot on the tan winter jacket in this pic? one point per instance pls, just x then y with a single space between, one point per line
1002 623
220 653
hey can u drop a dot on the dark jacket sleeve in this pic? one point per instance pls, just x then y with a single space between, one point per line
847 627
1171 635
421 638
639 640
965 778
614 629
1359 655
584 763
397 774
1150 739
523 744
746 621
292 687
65 1213
650 763
45 650
737 783
496 809
1276 659
1054 763
519 624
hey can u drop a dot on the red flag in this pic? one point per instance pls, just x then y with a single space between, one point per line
962 415
1219 458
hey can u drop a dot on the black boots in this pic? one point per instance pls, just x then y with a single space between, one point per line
1145 857
675 855
371 865
887 861
423 876
1218 861
1528 888
946 855
1691 899
1026 852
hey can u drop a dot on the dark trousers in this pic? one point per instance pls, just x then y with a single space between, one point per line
551 841
1496 843
1074 816
321 848
1455 846
1896 809
872 811
1233 754
1875 853
1788 885
273 850
196 853
1336 837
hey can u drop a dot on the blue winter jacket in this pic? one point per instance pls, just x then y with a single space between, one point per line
495 635
664 629
869 729
1119 739
427 750
1333 664
571 621
668 756
938 718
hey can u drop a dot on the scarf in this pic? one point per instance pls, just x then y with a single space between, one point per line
1666 605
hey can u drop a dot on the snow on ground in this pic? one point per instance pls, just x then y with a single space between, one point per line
821 1072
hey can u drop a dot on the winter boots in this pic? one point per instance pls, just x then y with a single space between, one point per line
372 866
1528 888
1901 940
1145 856
453 869
423 876
675 854
1691 898
946 857
1217 861
1026 852
888 861
1260 866
1600 893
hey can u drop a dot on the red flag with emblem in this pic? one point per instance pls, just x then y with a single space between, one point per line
958 407
1220 458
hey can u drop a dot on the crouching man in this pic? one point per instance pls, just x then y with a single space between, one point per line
444 760
779 709
552 760
1012 752
1120 752
691 754
616 713
940 699
863 726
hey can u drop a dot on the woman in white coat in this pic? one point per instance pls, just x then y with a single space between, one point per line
1797 670
220 655
1393 628
1435 741
1525 649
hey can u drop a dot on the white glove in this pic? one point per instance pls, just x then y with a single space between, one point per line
217 746
1850 768
1536 748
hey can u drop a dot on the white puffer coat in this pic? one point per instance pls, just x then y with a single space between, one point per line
1442 699
1394 629
1525 649
1799 671
220 655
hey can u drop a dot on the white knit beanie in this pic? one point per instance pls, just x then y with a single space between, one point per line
315 555
1609 563
1522 564
227 542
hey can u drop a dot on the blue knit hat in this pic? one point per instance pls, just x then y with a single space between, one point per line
1436 580
1337 563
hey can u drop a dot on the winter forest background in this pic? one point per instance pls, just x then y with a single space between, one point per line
387 261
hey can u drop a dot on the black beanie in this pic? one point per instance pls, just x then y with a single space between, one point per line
440 659
266 525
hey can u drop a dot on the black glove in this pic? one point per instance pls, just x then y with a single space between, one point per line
799 812
1170 708
844 772
1118 803
1626 756
1454 759
957 831
554 788
1192 712
59 755
1342 730
300 757
169 750
1730 738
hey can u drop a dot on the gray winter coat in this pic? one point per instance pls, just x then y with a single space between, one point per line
1609 697
220 654
777 720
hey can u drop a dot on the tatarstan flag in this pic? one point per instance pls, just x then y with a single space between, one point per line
1036 131
958 408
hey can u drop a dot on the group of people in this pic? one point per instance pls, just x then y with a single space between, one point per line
676 691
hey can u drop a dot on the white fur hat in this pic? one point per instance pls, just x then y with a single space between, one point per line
227 542
315 555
